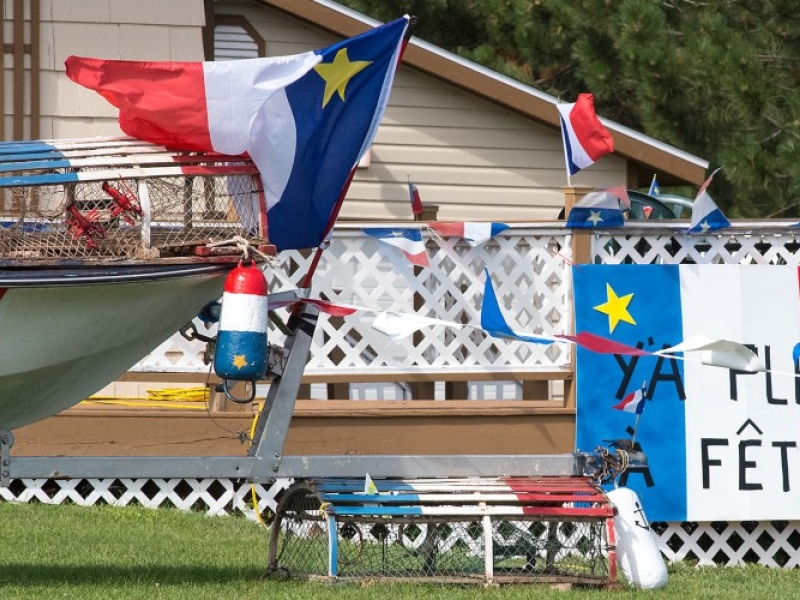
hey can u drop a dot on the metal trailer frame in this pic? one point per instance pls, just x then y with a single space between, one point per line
265 461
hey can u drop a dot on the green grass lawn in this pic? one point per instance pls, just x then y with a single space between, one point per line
105 552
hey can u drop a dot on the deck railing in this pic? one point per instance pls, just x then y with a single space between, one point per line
529 268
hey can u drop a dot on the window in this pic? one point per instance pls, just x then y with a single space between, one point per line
235 38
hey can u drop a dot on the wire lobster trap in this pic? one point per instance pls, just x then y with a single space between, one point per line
496 531
111 199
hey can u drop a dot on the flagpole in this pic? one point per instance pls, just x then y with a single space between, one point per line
564 145
635 430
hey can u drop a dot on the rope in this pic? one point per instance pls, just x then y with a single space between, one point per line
253 493
246 248
163 398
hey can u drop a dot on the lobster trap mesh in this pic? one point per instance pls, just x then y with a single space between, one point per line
500 549
126 217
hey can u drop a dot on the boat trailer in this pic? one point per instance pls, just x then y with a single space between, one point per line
453 518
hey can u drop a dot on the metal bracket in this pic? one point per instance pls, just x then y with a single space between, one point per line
6 441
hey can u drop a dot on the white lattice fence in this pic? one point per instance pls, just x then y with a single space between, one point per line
761 243
773 544
214 497
529 269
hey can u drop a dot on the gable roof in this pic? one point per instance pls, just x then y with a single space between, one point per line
674 166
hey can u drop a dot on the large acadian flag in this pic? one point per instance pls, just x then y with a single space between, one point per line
306 120
721 444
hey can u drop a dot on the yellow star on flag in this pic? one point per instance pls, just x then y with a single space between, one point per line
616 307
239 361
337 74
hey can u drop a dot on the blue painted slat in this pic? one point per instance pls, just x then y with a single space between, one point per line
356 485
20 156
26 147
39 179
34 165
380 511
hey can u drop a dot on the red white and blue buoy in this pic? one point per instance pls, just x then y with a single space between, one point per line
241 352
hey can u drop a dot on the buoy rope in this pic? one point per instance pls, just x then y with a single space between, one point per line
246 249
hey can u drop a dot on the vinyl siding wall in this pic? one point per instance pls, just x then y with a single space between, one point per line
116 29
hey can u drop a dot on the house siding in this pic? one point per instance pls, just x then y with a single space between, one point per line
115 29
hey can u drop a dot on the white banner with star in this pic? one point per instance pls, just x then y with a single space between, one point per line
722 444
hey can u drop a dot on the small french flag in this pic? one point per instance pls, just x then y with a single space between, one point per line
585 137
416 201
474 233
409 240
632 403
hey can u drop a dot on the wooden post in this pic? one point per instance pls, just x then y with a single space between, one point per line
220 403
581 254
422 390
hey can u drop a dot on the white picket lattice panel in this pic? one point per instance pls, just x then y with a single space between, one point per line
214 497
529 270
773 544
764 243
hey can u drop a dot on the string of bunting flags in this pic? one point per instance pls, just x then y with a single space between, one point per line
605 209
399 325
409 239
598 209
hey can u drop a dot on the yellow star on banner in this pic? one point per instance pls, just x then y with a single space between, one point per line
239 361
337 74
616 307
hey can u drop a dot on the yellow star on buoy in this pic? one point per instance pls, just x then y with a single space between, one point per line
337 74
616 307
239 361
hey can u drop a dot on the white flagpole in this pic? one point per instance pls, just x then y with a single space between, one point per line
635 430
564 144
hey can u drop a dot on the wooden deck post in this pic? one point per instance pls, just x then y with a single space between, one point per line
581 254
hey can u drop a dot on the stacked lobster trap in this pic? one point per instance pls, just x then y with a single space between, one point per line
104 199
476 530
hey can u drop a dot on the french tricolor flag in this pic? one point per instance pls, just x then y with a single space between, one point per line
409 240
585 137
474 233
191 105
632 403
416 201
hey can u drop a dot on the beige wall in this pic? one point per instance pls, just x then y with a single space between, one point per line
117 29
